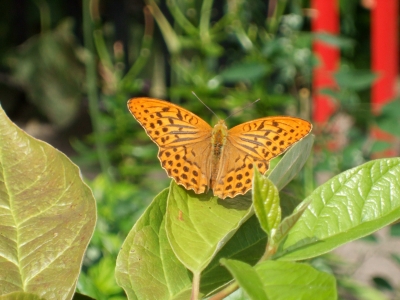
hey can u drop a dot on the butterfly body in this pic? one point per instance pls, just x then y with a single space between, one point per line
218 141
200 157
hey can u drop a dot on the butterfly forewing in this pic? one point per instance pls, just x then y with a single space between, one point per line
255 143
182 137
267 138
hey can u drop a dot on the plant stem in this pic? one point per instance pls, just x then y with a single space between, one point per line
205 15
91 83
226 291
44 12
195 286
145 50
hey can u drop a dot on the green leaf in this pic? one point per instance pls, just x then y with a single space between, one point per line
21 296
247 245
288 203
248 71
288 223
78 296
198 226
288 280
247 278
355 79
334 40
48 215
266 203
292 162
146 266
389 119
347 207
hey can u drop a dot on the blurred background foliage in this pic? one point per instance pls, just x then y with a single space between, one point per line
69 67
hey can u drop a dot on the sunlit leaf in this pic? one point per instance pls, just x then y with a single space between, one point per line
146 266
351 205
48 216
266 203
198 226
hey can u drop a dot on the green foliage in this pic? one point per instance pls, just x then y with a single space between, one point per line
176 247
230 54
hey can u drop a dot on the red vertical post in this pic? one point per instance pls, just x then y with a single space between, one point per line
384 51
326 20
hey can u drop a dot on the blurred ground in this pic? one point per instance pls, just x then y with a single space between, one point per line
368 259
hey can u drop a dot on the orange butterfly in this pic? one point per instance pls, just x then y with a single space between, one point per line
200 157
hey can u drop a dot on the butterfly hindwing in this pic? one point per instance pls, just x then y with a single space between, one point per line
236 173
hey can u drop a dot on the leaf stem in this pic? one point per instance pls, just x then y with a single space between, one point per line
195 286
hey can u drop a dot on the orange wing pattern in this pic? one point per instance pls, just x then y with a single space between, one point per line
185 146
255 143
182 137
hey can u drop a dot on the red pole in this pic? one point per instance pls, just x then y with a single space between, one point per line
385 51
326 20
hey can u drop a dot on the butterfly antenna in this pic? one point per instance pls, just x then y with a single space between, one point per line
206 105
242 109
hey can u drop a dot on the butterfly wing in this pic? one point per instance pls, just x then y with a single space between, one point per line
255 143
182 137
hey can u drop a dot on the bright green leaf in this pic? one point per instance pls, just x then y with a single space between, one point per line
247 278
351 205
198 226
146 266
48 215
266 202
287 280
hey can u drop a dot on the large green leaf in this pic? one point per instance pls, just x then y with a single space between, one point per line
198 226
20 296
47 213
146 266
349 206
